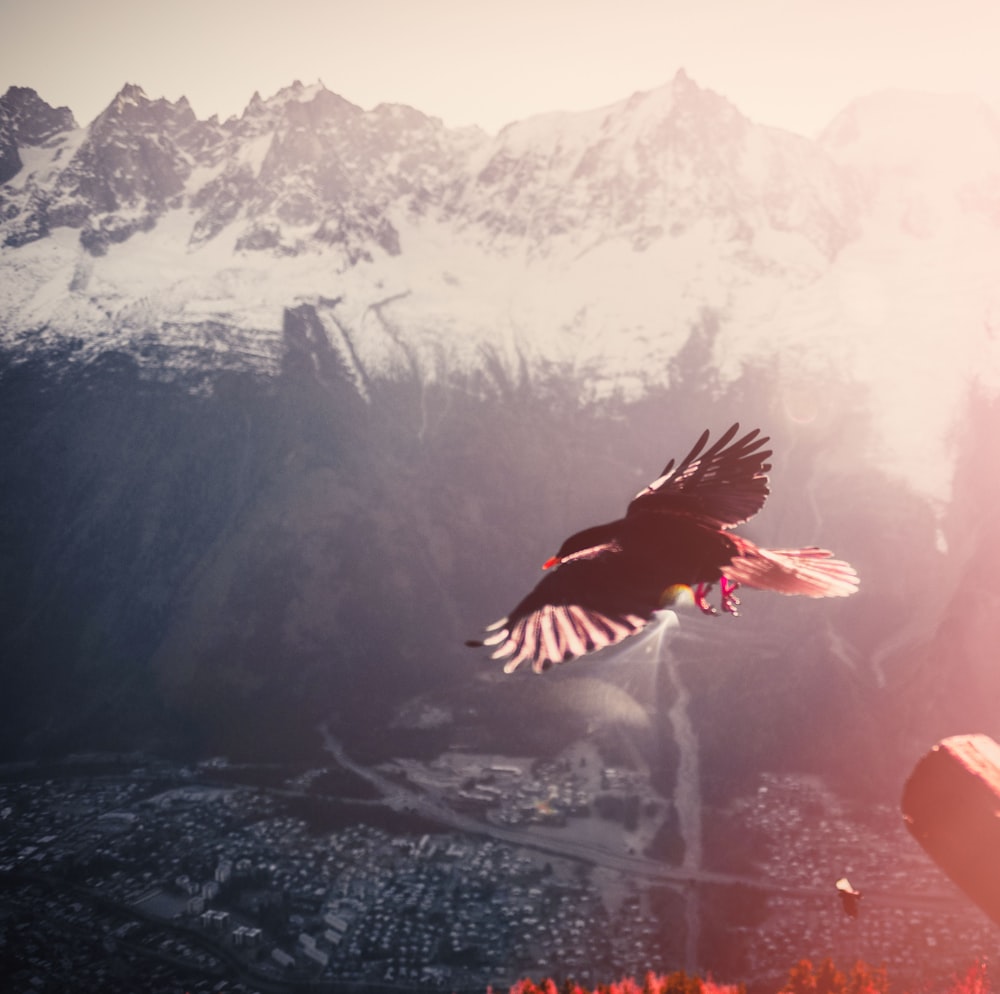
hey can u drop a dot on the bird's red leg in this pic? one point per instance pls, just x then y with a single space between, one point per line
701 592
730 602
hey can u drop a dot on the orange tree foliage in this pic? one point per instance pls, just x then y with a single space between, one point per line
654 983
803 978
976 981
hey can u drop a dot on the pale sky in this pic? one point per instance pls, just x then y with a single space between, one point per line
788 63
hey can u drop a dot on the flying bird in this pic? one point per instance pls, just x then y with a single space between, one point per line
606 582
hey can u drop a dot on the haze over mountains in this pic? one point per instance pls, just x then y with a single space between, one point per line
295 401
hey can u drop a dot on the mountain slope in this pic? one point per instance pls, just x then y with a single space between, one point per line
591 240
320 386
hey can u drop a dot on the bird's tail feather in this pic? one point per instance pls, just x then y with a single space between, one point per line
810 572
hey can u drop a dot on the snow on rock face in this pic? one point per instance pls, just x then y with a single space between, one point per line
917 295
26 121
30 119
650 168
922 159
596 241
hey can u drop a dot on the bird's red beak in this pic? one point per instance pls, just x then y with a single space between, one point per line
549 563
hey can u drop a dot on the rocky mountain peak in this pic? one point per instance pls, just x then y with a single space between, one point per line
917 156
255 106
133 164
132 111
131 94
308 170
890 127
598 238
26 120
321 100
653 166
31 120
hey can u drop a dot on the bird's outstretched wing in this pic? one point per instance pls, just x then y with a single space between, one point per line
808 572
726 483
581 607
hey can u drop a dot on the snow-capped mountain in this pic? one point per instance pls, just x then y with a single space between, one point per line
594 240
317 382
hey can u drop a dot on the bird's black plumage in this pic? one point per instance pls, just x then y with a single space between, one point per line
675 534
